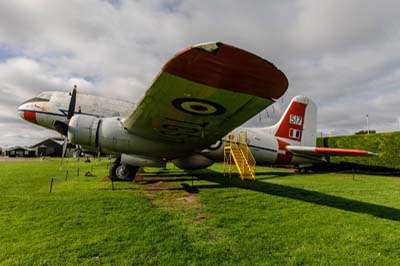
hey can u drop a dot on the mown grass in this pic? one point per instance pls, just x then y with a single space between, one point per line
280 219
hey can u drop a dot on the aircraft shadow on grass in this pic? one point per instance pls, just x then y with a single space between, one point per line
296 193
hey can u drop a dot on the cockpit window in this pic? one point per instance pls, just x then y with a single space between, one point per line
42 97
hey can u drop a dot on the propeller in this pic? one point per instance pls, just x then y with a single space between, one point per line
78 152
72 102
71 112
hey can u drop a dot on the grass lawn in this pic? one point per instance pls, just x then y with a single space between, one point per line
281 219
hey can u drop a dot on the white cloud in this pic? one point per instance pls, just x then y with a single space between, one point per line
343 54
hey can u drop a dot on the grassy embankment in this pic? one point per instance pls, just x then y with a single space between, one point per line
280 219
387 145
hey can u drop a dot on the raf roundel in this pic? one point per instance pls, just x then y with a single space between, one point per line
198 106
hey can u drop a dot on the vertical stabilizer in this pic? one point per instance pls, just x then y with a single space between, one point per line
298 125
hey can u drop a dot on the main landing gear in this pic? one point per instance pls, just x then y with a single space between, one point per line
122 172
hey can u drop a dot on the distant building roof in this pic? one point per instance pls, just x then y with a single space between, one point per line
45 142
19 148
52 140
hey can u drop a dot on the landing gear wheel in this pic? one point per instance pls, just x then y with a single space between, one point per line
122 172
302 170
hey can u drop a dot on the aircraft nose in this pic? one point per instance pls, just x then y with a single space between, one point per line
27 113
20 111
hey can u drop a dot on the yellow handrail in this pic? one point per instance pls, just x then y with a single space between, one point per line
242 140
238 151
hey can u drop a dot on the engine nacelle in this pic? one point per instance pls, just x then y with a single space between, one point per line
139 160
215 152
195 161
109 135
83 130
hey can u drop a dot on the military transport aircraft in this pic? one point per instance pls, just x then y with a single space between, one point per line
202 93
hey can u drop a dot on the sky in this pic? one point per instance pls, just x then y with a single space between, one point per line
344 54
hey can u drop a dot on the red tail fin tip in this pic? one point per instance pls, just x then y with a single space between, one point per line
291 125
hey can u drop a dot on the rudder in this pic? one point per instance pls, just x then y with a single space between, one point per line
298 125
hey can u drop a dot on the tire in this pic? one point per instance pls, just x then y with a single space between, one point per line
302 170
122 172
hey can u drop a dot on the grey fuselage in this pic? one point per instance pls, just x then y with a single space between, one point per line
49 108
52 106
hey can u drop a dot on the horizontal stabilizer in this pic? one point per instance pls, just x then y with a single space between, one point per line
320 151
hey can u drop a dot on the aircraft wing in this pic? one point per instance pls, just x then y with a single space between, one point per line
310 152
204 92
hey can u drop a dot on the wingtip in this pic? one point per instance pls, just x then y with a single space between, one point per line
217 64
210 47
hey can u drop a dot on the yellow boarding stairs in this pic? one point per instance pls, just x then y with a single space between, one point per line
238 152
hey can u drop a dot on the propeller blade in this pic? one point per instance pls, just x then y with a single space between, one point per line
78 153
64 150
71 108
63 128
